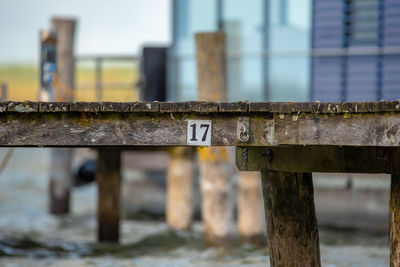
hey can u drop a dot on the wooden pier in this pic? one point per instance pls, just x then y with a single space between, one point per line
285 141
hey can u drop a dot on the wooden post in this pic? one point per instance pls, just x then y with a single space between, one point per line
108 181
4 92
215 181
251 217
395 221
291 222
65 29
180 180
60 173
99 88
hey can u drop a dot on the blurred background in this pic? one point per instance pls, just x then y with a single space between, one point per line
276 50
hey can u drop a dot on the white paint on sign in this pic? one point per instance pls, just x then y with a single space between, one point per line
199 132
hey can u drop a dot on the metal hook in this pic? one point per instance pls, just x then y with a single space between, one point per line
243 134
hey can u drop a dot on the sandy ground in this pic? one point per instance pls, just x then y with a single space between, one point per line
31 237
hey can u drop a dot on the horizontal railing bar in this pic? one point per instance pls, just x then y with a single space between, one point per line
107 57
316 52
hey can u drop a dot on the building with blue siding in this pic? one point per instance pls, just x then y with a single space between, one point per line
361 36
293 50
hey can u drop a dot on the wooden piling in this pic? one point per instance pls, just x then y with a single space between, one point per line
108 179
4 92
291 222
395 221
60 181
215 181
98 75
65 29
251 217
180 190
60 173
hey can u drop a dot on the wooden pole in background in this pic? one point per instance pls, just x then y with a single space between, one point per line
61 158
215 179
98 85
251 216
291 221
4 92
108 177
180 188
65 29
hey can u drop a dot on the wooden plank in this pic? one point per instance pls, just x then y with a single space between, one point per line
244 106
319 159
367 129
144 124
292 229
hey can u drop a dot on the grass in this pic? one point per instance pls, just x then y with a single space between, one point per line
119 82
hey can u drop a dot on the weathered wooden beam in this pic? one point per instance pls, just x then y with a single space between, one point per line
292 229
301 159
207 107
108 178
165 124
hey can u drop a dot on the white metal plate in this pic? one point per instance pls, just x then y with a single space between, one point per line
199 132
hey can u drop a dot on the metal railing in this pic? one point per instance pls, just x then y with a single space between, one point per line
312 52
99 84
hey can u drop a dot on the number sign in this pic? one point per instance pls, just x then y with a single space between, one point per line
199 132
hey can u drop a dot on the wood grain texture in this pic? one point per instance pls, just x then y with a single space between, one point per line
374 129
165 124
319 159
206 107
395 221
292 229
108 178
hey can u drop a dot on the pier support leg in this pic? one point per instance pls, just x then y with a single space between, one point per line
251 217
291 222
395 221
108 181
180 188
60 181
216 191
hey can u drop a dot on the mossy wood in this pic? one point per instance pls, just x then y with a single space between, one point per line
165 124
339 159
108 178
291 222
